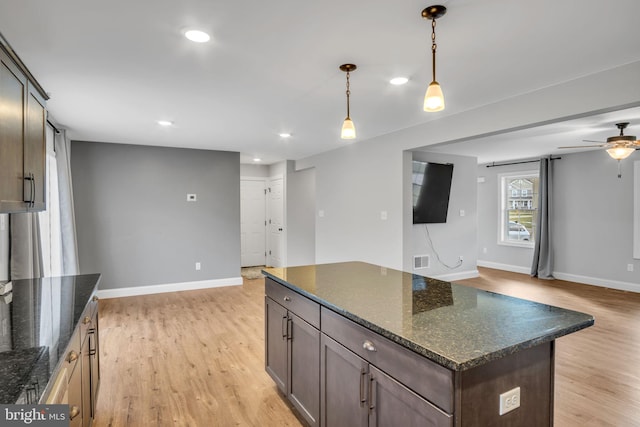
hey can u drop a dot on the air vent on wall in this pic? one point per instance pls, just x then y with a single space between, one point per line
420 261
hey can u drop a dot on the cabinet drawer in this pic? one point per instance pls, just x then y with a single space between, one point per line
89 316
428 379
294 302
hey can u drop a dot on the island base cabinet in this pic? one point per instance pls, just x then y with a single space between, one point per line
292 359
343 386
304 375
276 342
392 404
532 370
356 393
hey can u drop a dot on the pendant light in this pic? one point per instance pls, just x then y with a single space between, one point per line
348 129
434 99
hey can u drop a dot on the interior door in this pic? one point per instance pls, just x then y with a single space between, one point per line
253 246
275 196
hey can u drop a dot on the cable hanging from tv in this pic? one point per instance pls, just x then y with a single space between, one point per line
450 267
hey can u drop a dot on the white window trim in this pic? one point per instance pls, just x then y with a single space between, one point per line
501 208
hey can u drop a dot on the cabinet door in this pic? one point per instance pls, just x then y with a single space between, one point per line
343 386
12 107
304 354
75 397
35 152
276 342
392 404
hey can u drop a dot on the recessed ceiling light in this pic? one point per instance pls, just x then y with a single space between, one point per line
398 81
257 160
197 36
284 135
165 123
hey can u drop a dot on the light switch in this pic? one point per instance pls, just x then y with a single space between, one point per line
462 212
383 215
321 213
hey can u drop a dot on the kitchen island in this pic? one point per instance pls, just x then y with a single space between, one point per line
49 343
359 344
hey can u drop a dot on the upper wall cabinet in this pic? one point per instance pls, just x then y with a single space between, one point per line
22 137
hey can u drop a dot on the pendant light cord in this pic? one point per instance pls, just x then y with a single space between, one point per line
434 46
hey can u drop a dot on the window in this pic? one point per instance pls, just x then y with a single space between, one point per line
518 208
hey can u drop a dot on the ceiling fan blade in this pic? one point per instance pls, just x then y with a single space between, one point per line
590 140
584 146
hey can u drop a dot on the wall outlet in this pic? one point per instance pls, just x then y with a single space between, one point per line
484 250
460 258
198 266
629 267
509 400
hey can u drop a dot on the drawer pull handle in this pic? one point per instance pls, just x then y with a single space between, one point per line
86 320
72 356
74 412
287 299
368 345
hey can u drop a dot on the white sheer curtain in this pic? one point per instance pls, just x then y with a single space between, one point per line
67 219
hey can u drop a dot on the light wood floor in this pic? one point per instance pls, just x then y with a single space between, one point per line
196 358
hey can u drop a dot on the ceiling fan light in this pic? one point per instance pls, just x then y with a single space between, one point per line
348 129
620 153
434 99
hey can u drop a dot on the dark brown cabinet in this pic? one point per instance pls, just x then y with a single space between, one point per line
356 393
22 139
292 351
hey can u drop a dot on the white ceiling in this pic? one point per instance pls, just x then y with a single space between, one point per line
114 68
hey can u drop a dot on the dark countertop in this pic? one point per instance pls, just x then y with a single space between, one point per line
37 320
456 326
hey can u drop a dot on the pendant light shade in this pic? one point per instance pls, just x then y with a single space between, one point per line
434 98
348 128
620 153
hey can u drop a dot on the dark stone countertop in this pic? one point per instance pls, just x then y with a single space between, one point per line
456 326
37 320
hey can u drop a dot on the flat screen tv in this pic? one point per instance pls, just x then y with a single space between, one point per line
431 189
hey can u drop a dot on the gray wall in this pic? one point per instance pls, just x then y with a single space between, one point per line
458 236
134 223
592 221
301 211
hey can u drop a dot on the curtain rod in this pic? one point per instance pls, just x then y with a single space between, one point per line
493 165
53 126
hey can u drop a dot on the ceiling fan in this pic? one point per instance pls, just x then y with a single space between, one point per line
619 146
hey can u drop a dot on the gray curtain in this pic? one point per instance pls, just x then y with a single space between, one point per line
542 266
26 248
67 217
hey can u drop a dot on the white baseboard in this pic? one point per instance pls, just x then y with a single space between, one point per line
505 267
586 280
450 277
169 287
595 281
